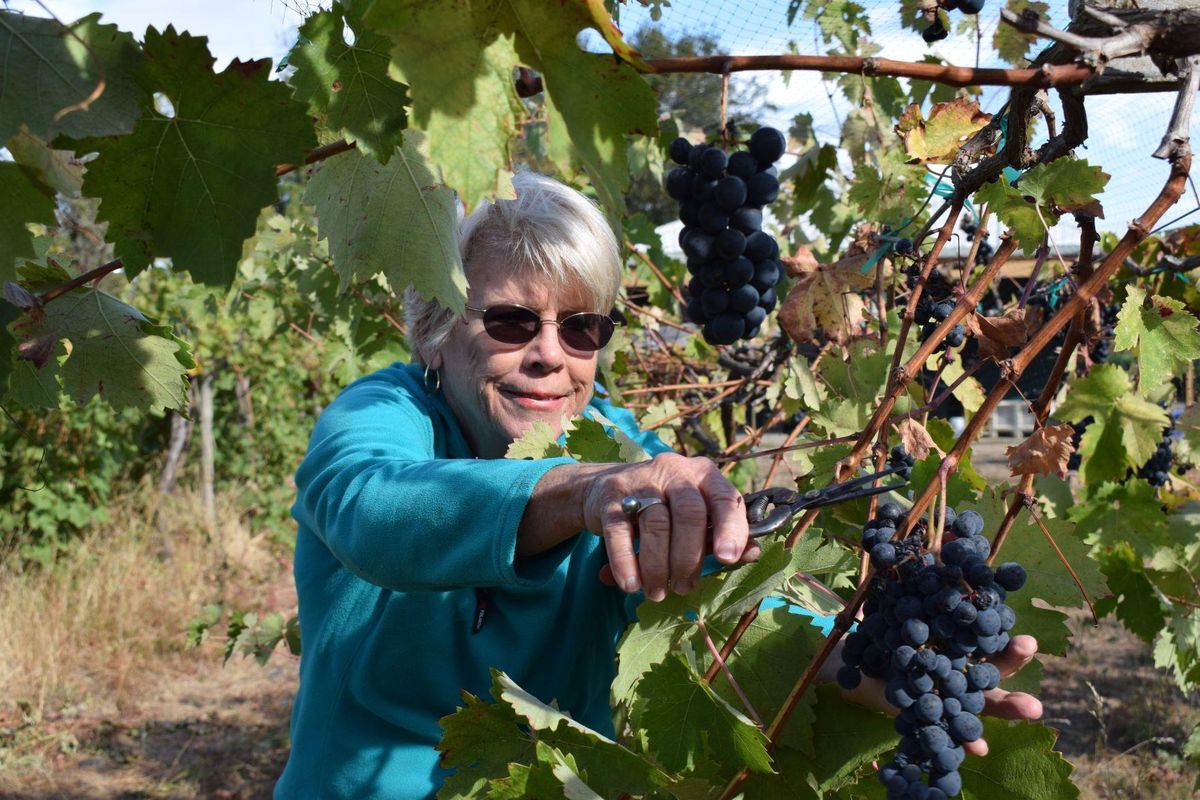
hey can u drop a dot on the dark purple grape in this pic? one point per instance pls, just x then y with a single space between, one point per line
730 193
679 150
741 165
767 145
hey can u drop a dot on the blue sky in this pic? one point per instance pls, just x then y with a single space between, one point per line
1123 129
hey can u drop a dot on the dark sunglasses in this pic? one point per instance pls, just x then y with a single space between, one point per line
585 331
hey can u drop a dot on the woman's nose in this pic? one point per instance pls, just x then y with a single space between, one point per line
546 347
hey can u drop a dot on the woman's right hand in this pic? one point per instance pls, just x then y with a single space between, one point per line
701 512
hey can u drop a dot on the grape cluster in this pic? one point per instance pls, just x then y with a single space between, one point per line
937 31
983 256
936 303
927 631
1102 349
1157 470
733 263
899 457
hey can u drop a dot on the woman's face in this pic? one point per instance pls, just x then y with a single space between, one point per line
499 390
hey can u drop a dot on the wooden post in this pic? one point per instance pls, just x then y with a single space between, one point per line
207 450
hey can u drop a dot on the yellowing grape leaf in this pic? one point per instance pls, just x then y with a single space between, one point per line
1163 332
56 169
1045 452
1064 184
115 351
823 300
393 218
1125 430
49 68
938 138
684 721
349 85
189 184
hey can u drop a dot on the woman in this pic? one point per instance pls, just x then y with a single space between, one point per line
424 558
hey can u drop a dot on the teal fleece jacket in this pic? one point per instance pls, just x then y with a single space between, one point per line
399 527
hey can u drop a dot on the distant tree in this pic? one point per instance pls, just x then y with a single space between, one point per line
693 100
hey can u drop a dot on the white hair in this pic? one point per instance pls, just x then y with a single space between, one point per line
549 231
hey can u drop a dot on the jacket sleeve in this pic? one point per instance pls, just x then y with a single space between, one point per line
371 488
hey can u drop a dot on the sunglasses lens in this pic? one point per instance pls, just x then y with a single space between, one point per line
510 324
586 332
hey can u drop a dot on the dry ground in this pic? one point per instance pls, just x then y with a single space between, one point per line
129 713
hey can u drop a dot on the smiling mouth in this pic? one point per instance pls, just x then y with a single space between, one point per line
535 400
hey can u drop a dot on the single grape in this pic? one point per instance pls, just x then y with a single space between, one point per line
679 150
767 145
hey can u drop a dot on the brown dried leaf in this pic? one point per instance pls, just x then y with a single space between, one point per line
39 349
996 334
915 438
823 302
1045 452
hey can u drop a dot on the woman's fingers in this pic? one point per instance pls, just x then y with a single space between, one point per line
1011 705
654 549
689 535
1020 651
727 510
617 531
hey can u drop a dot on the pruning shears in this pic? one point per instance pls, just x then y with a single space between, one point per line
786 503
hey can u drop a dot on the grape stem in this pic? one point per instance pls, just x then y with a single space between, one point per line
1032 506
737 688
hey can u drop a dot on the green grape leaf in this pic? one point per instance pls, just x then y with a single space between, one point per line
540 441
393 218
1178 648
1162 330
1016 212
1125 430
189 185
1021 764
554 776
938 138
1113 510
1064 184
1134 599
22 200
1049 579
349 85
56 169
479 740
1012 44
722 595
600 441
684 721
115 351
459 71
969 391
846 739
608 767
50 67
768 659
600 100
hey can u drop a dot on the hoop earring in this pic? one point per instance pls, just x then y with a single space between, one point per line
437 381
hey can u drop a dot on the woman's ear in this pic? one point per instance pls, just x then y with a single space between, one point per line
434 359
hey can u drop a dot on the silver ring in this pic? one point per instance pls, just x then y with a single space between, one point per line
634 506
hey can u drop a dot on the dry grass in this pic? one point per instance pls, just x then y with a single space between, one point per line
114 611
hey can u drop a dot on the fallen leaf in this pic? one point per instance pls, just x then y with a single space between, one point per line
1045 452
915 438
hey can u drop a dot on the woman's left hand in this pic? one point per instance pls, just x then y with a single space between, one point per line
1000 703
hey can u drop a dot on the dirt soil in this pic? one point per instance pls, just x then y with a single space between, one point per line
213 732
